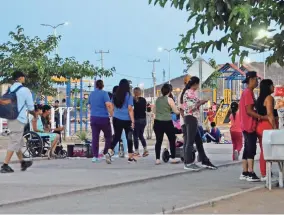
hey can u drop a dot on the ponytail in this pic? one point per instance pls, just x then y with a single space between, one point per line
192 81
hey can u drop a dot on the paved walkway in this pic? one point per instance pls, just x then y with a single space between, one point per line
83 187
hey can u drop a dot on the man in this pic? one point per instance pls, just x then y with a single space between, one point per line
249 118
45 118
16 142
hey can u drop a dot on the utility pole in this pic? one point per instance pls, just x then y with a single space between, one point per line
101 52
154 75
164 75
200 60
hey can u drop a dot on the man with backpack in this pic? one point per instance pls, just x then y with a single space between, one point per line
13 107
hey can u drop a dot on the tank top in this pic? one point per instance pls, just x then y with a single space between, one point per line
163 109
261 110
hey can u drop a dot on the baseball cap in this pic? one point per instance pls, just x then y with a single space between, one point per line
18 74
250 74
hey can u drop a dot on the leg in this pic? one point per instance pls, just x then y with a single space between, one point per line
169 130
141 134
244 159
129 137
190 133
106 128
136 135
262 162
159 133
95 138
118 127
124 141
200 148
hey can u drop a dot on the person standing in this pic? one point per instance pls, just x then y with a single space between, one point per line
236 131
16 141
249 117
101 110
140 122
191 104
265 107
123 118
163 123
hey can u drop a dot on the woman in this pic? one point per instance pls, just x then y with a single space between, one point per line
123 137
123 118
101 109
236 131
163 123
191 104
140 122
36 125
265 106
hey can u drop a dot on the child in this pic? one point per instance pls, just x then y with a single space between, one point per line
215 134
236 131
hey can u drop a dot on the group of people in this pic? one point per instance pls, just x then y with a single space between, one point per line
249 119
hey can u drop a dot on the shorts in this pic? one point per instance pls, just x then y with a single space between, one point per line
16 140
250 145
51 136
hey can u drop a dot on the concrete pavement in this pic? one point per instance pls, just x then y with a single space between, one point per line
69 178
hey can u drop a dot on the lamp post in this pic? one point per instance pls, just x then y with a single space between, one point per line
160 49
54 27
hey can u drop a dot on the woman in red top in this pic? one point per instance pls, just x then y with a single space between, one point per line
236 131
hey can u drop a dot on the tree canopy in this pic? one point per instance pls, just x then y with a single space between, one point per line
240 20
33 57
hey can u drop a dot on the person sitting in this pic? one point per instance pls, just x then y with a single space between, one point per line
214 135
37 126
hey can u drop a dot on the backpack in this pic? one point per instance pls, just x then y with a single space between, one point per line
10 111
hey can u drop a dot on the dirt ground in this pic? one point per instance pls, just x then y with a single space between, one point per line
260 201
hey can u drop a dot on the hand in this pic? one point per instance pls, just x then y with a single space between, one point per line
132 125
204 101
61 128
5 102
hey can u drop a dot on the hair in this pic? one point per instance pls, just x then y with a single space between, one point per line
56 101
45 108
193 80
122 90
38 107
110 95
213 124
166 89
63 100
234 108
135 90
264 91
99 84
114 89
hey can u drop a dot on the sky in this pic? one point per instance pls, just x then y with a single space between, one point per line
131 30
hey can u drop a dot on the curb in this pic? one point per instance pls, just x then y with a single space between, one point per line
109 186
217 199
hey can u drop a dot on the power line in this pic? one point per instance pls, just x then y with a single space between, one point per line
129 76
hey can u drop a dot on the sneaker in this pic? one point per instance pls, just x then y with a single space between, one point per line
174 160
263 178
132 160
108 158
244 176
115 156
252 177
95 160
145 153
236 155
6 169
25 165
192 167
136 154
101 155
209 165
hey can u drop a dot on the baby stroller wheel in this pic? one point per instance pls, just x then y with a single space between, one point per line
166 155
63 153
182 159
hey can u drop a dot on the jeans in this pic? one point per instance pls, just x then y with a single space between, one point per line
99 124
160 128
118 126
139 128
191 135
124 142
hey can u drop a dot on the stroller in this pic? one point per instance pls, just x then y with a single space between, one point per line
179 145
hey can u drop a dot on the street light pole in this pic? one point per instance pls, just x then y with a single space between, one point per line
169 58
154 76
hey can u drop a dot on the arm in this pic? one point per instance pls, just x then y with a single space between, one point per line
130 110
109 107
173 106
34 124
252 113
30 102
268 103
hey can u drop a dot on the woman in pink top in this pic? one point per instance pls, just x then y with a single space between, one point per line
236 131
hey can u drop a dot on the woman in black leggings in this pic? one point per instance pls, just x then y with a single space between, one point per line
163 123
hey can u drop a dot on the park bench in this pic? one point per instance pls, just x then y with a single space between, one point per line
273 149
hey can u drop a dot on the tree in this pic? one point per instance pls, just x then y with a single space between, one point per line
32 56
188 61
239 20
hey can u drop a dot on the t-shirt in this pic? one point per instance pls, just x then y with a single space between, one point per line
122 113
140 108
235 123
97 100
190 102
215 132
248 123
